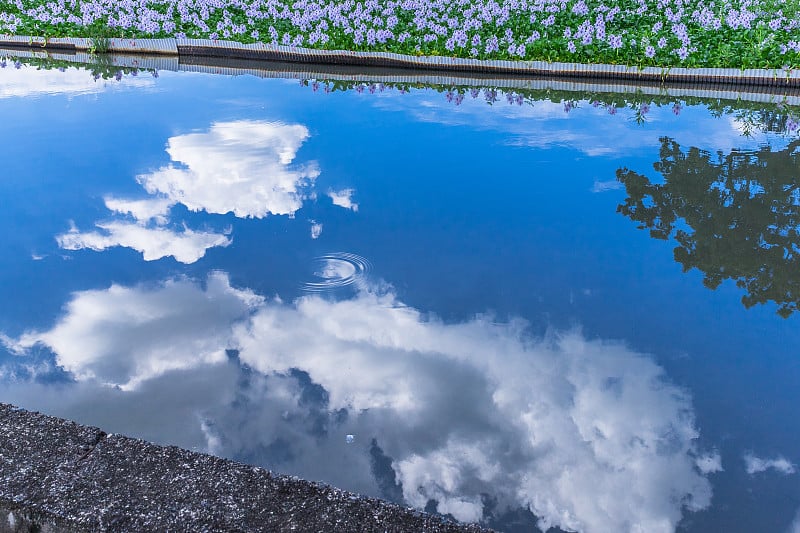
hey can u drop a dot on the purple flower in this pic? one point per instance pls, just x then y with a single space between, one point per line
600 29
650 51
615 42
571 47
492 45
676 108
580 8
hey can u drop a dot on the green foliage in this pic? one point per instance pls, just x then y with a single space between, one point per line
753 46
102 66
100 45
734 216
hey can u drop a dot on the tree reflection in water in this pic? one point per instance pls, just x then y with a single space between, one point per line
734 216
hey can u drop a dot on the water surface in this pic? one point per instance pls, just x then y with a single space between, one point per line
510 306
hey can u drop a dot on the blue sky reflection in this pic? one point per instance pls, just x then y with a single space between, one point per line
451 284
462 409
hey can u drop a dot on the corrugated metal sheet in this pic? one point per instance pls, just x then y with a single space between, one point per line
144 46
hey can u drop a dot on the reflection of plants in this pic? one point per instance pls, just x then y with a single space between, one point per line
734 216
101 67
751 117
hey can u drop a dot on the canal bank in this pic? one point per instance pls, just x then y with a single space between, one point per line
189 50
56 475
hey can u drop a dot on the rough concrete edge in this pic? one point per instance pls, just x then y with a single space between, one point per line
17 518
263 51
43 459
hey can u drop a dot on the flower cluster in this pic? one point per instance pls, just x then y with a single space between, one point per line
753 33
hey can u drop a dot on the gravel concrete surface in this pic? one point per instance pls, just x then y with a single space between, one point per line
56 475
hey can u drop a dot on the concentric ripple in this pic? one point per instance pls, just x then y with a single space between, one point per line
338 270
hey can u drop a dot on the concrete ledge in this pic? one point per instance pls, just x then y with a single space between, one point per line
61 476
186 48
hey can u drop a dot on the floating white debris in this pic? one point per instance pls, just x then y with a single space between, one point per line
350 438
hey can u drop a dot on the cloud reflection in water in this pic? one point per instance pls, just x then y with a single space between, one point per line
243 167
588 434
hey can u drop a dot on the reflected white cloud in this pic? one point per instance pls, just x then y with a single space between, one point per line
243 167
144 210
603 186
604 131
344 198
316 230
755 465
711 463
30 81
588 434
794 527
124 336
153 243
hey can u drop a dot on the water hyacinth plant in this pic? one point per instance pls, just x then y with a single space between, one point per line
714 33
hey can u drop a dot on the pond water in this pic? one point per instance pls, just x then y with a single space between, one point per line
531 307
